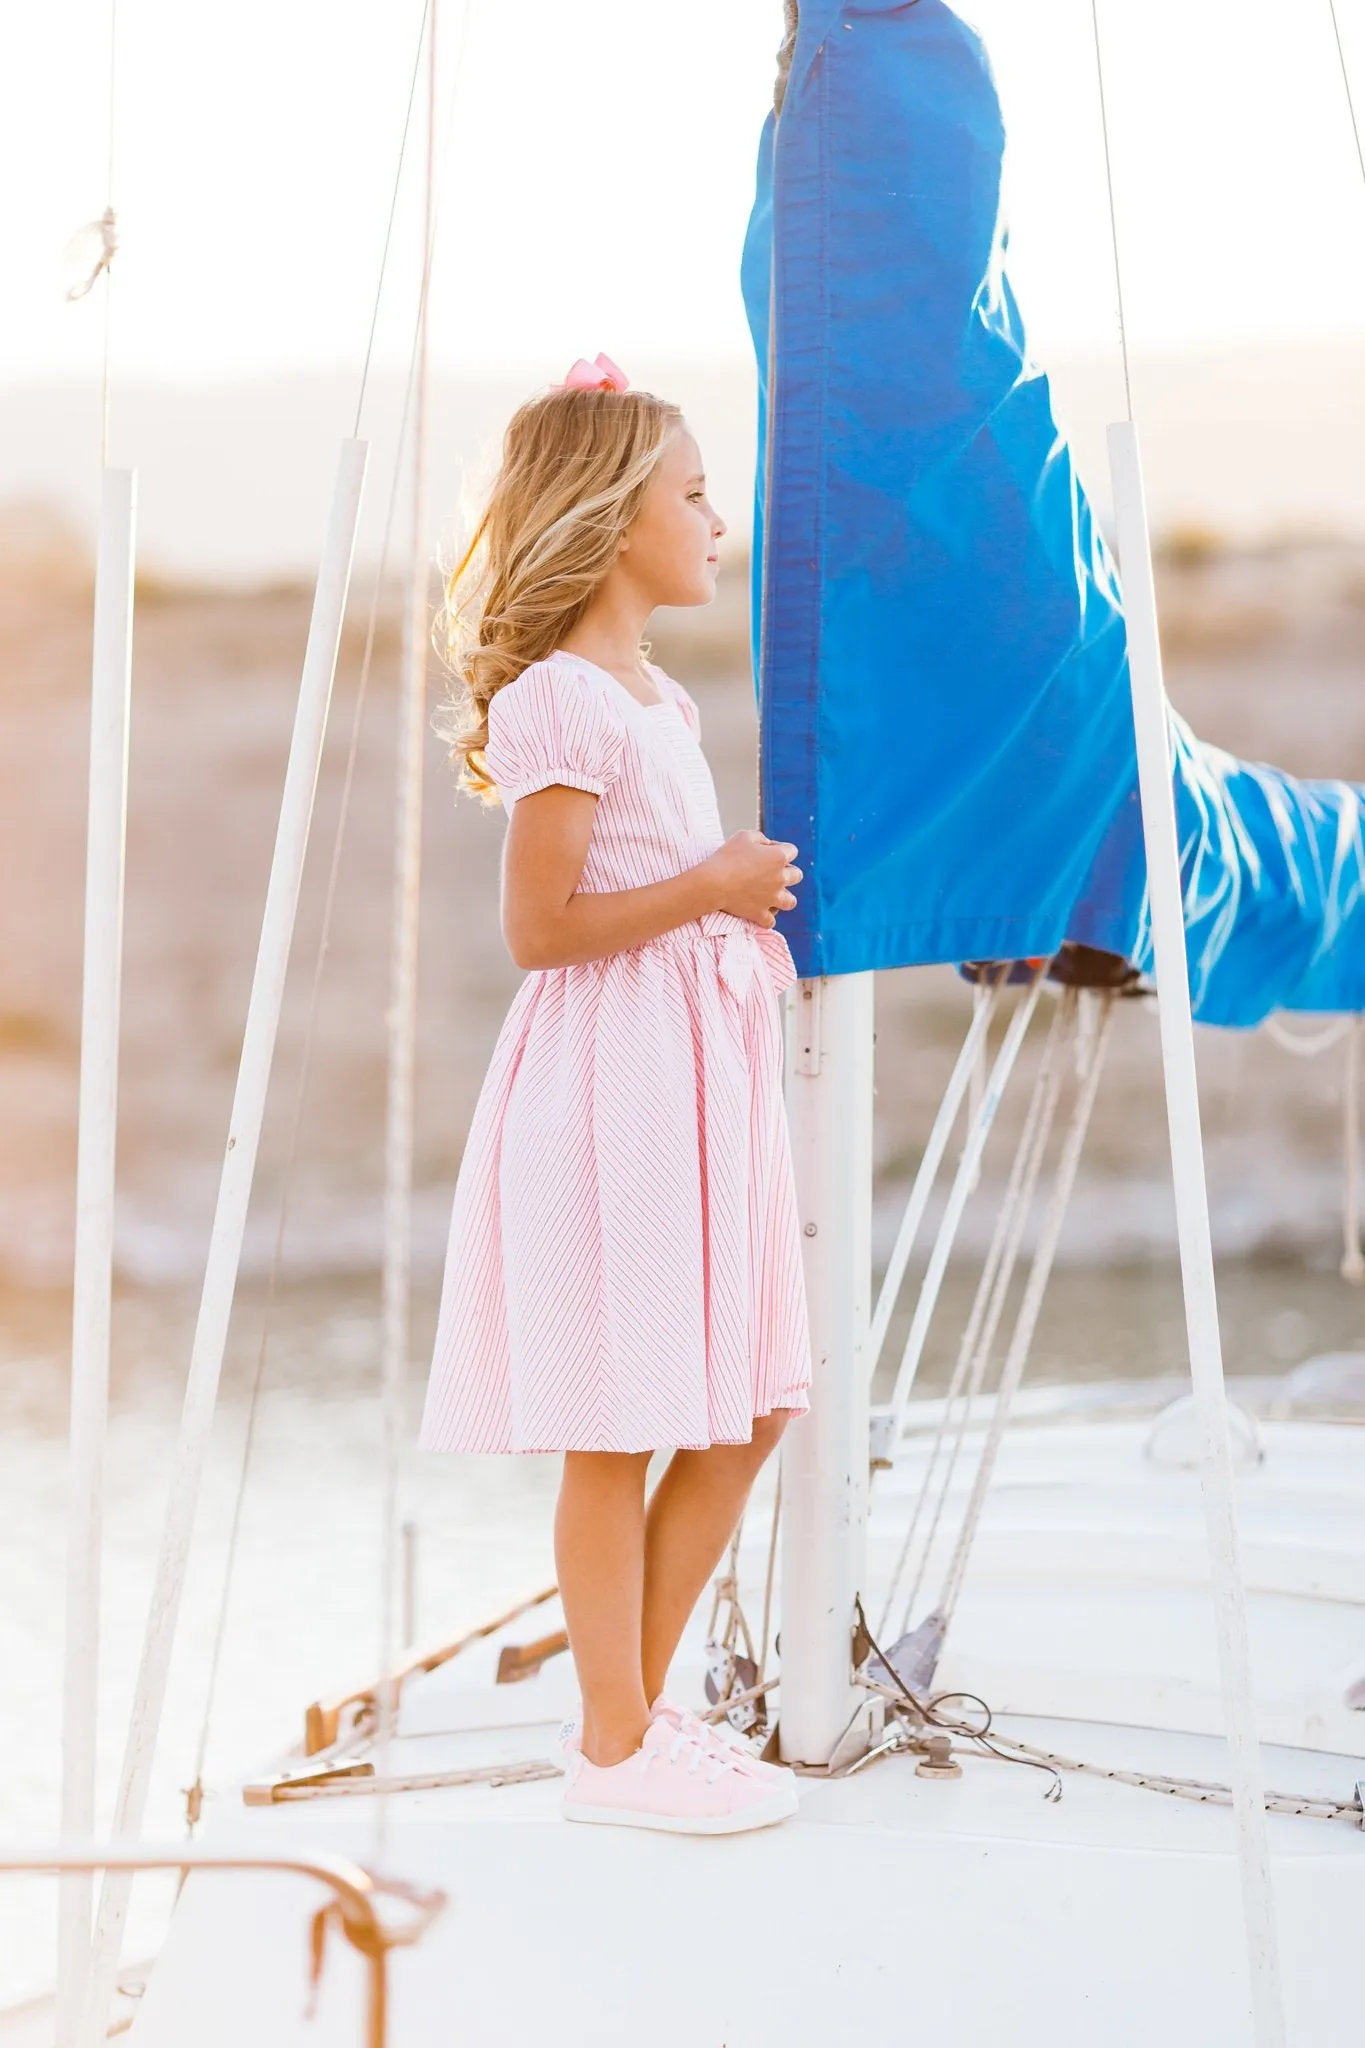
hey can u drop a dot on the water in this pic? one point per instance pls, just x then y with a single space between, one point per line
303 1614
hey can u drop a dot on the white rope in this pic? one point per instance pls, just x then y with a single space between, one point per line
1352 1255
392 217
1113 209
1307 1045
915 1721
90 253
1029 1309
982 993
771 1573
402 1010
979 1338
1202 1791
982 1309
968 1169
1346 83
964 1076
402 1007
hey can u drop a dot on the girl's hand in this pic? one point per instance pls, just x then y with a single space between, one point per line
751 873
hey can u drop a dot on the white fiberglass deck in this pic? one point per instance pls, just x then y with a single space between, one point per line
975 1909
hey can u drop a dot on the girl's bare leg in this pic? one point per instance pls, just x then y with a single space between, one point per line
692 1515
600 1553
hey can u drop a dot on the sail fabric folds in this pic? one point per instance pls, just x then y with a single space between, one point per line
946 726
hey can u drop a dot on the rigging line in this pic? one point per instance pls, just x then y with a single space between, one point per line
1026 1323
1346 82
402 1007
1352 1255
771 1572
1049 1096
1307 1045
400 1121
986 1306
1113 211
105 374
393 215
195 1792
963 1183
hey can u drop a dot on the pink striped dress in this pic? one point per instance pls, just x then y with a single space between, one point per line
624 1270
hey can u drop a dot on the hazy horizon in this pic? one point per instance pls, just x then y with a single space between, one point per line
234 474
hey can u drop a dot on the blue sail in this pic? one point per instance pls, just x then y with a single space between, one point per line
946 727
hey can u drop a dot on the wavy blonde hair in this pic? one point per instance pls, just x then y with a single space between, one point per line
575 466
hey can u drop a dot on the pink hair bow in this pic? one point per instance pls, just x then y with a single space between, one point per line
601 375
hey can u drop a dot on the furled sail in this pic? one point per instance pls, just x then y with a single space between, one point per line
946 726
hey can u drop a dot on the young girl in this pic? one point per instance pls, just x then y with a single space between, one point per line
624 1270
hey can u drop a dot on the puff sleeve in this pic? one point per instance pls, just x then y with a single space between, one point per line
551 725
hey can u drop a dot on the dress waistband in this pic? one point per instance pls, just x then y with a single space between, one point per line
743 948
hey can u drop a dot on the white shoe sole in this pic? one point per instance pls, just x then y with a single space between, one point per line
766 1774
780 1805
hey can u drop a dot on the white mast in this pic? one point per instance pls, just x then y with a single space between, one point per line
110 694
1166 899
825 1463
825 1454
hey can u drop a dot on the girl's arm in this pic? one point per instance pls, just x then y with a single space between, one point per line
548 922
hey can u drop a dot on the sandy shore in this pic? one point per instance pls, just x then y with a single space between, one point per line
1265 650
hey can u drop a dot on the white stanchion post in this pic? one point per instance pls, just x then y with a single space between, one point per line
824 1454
1166 901
229 1222
106 833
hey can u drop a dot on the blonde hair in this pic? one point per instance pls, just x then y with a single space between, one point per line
575 466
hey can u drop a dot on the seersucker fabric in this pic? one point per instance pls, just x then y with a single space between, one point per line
624 1268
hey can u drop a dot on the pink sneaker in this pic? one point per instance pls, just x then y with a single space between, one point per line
715 1735
674 1783
721 1736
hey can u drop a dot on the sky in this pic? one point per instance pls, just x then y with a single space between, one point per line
598 165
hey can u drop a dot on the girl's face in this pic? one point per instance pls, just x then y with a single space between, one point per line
669 553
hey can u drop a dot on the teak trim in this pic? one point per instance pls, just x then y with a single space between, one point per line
322 1720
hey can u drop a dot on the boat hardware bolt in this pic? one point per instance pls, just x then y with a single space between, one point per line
938 1760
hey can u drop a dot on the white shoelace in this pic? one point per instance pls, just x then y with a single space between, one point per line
709 1733
697 1754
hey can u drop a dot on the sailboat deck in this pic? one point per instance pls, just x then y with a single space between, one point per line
965 1903
977 1907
